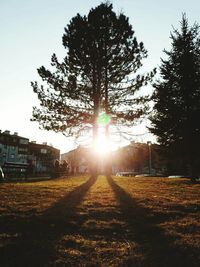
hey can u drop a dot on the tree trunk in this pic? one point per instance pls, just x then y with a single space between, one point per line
108 167
95 133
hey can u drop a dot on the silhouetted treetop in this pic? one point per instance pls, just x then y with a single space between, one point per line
175 120
98 73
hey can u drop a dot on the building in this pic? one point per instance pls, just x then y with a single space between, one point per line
78 160
19 157
13 153
137 158
41 158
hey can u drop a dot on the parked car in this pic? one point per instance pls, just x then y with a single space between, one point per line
177 176
142 175
127 174
1 174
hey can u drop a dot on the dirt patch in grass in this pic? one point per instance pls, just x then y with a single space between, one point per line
102 221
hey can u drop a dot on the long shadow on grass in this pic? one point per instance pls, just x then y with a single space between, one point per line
34 238
155 245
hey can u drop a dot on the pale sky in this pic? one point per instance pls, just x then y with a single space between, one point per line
31 31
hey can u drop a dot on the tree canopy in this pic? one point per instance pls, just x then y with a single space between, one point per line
175 119
98 74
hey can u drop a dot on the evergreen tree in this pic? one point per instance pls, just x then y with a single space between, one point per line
175 120
97 75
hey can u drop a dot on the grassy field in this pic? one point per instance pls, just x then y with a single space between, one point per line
104 221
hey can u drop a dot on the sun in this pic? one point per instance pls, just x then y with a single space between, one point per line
102 146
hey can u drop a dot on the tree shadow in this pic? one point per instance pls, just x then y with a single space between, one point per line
157 248
33 239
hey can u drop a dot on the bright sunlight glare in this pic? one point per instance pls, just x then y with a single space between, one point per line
103 146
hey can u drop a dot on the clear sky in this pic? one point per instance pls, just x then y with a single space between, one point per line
31 31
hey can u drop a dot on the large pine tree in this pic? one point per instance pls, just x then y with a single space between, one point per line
98 74
175 119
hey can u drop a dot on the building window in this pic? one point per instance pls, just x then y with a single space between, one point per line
23 141
21 149
12 156
43 151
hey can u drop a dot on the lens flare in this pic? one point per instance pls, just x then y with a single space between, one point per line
103 119
102 145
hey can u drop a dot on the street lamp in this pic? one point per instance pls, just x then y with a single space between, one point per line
149 146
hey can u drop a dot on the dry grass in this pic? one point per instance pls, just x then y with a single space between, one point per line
20 198
168 213
84 221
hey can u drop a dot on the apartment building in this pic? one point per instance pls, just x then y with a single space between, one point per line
13 153
78 160
41 158
19 157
